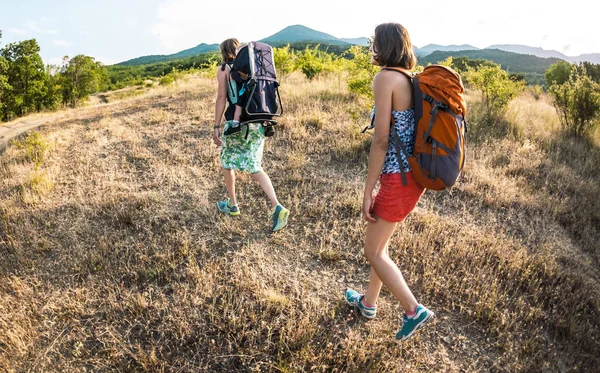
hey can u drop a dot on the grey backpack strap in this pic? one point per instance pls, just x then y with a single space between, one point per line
400 147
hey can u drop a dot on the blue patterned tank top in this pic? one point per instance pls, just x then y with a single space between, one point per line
404 125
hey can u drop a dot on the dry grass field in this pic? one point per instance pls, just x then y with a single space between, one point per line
113 257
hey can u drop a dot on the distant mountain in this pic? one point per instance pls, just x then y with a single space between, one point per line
535 51
357 41
539 52
531 67
299 33
430 48
200 48
590 57
510 61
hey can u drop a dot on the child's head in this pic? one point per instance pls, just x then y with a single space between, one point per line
228 49
239 47
392 46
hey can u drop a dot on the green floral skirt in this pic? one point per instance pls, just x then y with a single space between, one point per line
241 154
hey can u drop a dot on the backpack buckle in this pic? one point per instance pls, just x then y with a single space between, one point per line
442 106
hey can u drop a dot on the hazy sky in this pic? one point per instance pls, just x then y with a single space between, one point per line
117 30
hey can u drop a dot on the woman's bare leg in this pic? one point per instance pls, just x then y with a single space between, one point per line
383 269
266 185
229 176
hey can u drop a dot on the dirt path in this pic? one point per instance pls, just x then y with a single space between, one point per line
10 130
19 126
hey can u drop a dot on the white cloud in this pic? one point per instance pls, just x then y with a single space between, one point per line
16 31
62 43
183 24
131 22
106 60
37 28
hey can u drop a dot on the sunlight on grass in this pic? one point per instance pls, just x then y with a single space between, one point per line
115 258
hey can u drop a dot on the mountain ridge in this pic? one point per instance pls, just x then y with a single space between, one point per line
299 33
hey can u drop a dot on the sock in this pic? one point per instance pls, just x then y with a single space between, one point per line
235 123
412 314
365 303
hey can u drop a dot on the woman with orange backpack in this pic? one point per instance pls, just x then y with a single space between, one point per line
390 47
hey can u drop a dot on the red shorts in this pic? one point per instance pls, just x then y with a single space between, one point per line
395 201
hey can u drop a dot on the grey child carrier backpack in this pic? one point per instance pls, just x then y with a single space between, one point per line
253 82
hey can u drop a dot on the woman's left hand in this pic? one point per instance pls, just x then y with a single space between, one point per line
217 136
367 207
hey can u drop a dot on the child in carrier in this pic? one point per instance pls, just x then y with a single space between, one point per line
253 88
241 94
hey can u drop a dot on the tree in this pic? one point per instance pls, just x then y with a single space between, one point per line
52 88
25 75
309 62
592 70
496 87
81 76
362 71
4 86
577 102
284 60
558 73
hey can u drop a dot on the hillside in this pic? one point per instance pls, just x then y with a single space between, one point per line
513 62
299 33
356 41
539 52
290 35
146 60
532 67
430 48
113 256
523 49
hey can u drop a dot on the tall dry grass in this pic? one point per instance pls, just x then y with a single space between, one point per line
114 258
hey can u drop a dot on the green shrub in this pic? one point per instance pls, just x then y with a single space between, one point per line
166 80
496 87
362 71
577 102
285 60
558 73
35 147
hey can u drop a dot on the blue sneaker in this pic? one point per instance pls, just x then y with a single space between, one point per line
279 217
225 207
411 324
354 298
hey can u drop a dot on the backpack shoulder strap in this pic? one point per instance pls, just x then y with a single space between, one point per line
417 94
226 63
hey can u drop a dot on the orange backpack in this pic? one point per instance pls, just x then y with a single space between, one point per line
439 143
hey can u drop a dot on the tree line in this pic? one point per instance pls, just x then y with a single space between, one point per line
28 86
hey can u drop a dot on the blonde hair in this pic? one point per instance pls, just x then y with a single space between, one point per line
228 49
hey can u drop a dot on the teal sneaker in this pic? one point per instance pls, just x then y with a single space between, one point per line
411 324
279 217
354 298
225 207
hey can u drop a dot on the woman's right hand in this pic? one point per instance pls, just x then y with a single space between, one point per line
217 136
367 209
